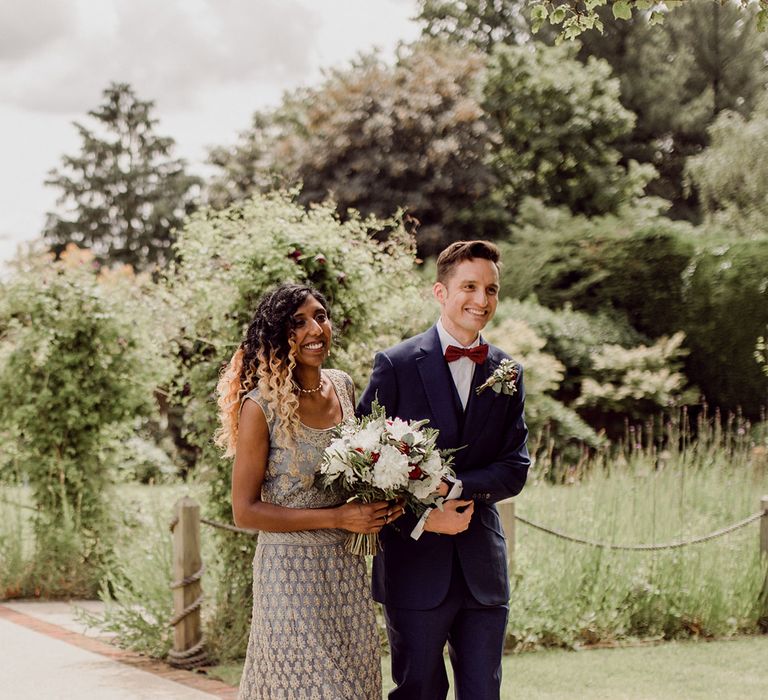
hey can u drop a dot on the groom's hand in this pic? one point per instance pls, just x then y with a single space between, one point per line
449 520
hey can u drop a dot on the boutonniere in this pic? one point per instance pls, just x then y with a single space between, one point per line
503 379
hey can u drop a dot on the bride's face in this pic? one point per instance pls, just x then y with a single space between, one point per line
312 332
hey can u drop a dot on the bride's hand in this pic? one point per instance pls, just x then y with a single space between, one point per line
367 518
396 509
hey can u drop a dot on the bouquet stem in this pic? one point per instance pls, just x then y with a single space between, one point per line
362 544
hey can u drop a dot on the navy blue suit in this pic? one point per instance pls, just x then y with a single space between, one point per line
428 585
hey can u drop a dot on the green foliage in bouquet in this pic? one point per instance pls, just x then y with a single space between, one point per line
226 261
80 359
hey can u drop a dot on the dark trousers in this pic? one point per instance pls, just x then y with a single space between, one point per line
475 635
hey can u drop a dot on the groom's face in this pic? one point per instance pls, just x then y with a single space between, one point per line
468 298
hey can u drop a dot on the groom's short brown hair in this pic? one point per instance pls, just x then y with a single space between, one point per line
465 250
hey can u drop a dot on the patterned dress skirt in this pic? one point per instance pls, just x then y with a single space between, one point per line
313 633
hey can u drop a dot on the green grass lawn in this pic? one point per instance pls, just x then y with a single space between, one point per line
727 670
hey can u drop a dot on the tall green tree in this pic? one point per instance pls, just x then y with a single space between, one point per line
479 23
731 174
378 138
123 195
707 57
678 68
558 121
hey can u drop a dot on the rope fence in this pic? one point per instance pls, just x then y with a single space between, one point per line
229 528
645 547
571 538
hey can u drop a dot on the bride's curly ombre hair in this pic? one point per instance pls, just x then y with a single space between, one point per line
265 359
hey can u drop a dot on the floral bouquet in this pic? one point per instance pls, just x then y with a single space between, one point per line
375 458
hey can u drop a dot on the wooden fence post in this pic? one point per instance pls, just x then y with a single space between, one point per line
507 513
187 591
764 547
764 526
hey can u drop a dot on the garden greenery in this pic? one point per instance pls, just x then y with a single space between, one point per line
543 376
726 311
80 359
636 381
631 262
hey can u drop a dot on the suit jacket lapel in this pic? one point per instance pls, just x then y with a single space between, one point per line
439 388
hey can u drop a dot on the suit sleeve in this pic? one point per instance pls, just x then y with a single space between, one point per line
504 477
382 387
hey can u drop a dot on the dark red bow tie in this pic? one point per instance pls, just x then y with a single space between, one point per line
477 354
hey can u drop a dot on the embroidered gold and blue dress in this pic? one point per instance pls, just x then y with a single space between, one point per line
313 631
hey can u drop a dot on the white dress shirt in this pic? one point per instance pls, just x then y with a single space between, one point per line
463 369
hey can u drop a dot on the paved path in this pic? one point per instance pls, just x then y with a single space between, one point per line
48 653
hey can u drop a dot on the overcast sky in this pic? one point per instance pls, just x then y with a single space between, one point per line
207 64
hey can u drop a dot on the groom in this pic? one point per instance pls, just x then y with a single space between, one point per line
443 578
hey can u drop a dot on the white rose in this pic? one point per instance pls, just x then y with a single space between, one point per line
367 440
334 466
392 469
433 465
397 428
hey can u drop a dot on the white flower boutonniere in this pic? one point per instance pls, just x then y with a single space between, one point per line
503 379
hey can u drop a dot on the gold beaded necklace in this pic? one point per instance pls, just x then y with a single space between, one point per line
310 391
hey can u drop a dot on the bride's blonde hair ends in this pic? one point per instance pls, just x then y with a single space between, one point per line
229 393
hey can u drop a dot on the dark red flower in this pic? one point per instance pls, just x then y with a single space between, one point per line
415 473
295 253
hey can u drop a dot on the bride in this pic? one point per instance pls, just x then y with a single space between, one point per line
313 631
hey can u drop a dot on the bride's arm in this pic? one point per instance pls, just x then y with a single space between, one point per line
251 512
